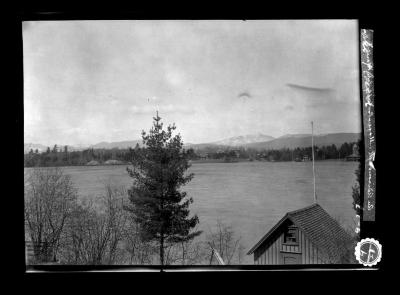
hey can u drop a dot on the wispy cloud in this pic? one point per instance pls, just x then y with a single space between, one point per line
244 94
307 88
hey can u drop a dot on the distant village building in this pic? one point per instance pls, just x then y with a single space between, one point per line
306 236
355 156
203 156
113 162
237 153
306 158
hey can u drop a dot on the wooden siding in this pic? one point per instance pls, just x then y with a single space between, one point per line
271 252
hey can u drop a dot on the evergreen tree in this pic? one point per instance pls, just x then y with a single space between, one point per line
65 158
158 206
357 187
356 193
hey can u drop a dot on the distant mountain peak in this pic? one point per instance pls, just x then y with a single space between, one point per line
244 139
304 140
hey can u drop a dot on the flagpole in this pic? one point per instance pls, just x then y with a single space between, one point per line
313 167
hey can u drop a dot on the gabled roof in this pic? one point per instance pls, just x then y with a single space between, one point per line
318 226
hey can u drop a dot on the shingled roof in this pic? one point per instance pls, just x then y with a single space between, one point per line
319 227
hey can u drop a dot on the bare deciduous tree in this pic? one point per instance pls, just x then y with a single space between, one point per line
49 199
95 233
346 245
198 251
190 252
224 241
139 252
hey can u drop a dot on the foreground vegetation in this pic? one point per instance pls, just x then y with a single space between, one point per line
68 229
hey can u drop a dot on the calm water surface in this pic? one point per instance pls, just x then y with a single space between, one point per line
250 196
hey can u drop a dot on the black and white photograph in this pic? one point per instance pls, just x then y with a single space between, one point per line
191 143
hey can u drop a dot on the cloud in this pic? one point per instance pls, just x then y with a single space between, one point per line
96 76
245 94
174 76
307 88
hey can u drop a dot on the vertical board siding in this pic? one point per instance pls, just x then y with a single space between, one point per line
271 253
303 249
265 255
313 261
274 251
311 254
315 256
265 258
306 255
279 248
302 246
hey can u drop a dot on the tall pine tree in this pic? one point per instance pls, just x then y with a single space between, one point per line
158 206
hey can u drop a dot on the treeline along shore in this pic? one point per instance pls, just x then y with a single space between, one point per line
93 157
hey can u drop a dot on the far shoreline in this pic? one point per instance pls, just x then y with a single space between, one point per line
209 161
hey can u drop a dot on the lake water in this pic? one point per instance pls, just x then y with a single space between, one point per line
250 196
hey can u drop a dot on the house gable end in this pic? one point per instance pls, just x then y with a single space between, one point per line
318 235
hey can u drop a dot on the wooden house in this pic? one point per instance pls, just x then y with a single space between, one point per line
203 156
306 236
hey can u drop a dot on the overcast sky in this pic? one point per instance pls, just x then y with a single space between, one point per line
92 81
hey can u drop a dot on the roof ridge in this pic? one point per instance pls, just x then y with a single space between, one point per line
303 209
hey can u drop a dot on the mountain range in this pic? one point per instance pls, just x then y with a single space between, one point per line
117 144
301 141
244 139
256 141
